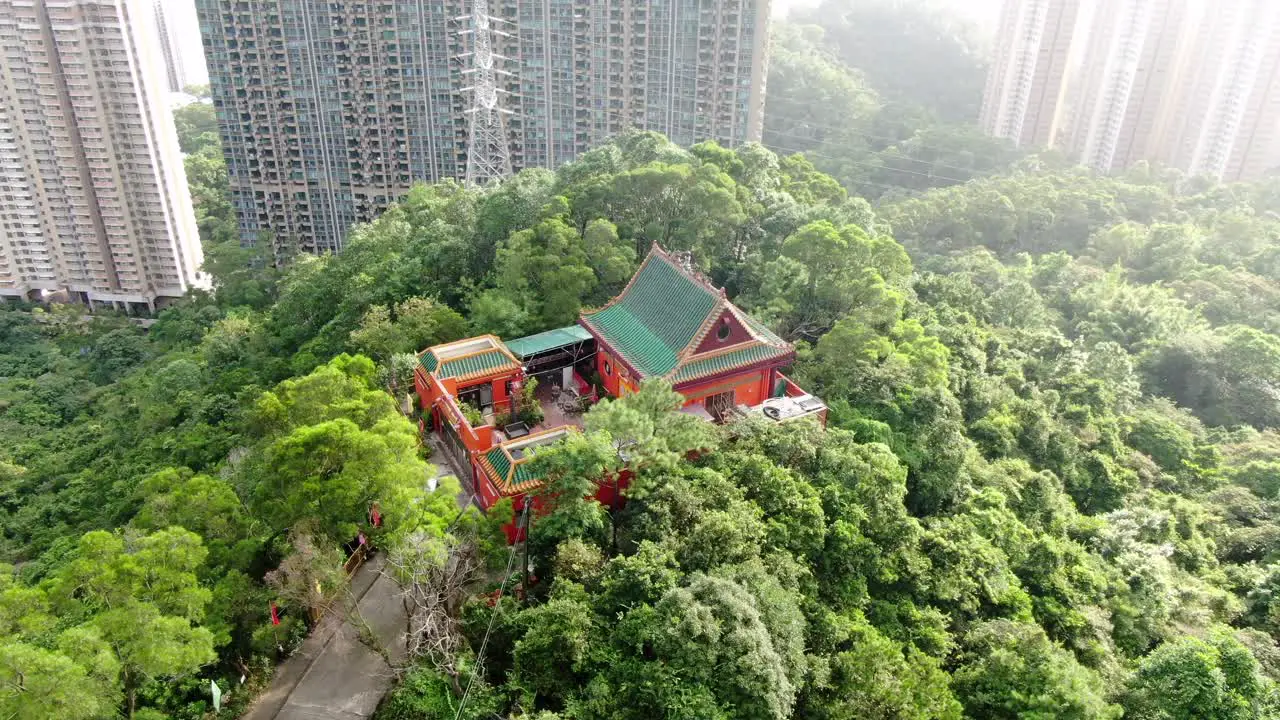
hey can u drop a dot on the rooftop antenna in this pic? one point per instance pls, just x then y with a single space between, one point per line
488 152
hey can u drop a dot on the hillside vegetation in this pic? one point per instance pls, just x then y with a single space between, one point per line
1050 487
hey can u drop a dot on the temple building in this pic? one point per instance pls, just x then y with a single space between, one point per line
669 322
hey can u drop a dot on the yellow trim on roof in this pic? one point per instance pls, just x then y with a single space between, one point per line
505 485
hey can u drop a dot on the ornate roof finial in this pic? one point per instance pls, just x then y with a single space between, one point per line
684 258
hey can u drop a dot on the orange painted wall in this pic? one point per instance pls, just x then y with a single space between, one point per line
499 386
500 395
430 389
476 439
749 388
423 385
605 491
610 379
627 386
501 398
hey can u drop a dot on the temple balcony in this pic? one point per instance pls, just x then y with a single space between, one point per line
787 402
790 402
560 408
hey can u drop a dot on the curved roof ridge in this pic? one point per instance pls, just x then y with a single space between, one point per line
625 288
687 270
665 314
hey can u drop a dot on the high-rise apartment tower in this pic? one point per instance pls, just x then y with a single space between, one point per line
329 111
1026 87
93 197
1186 83
1131 83
1230 126
170 46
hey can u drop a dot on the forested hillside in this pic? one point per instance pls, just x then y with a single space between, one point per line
1049 488
883 95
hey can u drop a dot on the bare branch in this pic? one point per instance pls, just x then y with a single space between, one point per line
434 575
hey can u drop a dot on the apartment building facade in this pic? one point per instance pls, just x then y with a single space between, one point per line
93 195
170 46
330 111
1184 83
1025 96
591 69
1132 82
1228 129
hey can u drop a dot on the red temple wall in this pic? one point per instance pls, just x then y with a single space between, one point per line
605 495
607 368
501 399
737 334
486 492
749 388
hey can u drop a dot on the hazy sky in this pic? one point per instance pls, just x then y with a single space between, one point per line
983 12
182 13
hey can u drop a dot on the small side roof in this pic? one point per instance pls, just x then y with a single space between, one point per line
468 359
526 347
507 464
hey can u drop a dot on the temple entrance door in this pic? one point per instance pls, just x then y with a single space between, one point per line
719 405
479 397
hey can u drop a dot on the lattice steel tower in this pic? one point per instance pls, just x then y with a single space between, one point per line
488 152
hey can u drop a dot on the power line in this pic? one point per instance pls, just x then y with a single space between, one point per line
366 34
357 34
488 150
863 134
627 120
812 153
497 608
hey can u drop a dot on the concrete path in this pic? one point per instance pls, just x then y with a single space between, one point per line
335 676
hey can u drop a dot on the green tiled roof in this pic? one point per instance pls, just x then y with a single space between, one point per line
499 460
549 340
656 317
761 329
468 365
507 481
727 361
524 474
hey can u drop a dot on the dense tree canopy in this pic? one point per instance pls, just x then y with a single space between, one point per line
881 94
912 53
1049 486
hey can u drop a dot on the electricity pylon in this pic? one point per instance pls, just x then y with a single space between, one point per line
488 152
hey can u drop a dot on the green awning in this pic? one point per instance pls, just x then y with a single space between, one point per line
526 347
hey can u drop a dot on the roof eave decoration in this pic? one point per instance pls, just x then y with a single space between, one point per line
506 483
781 359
